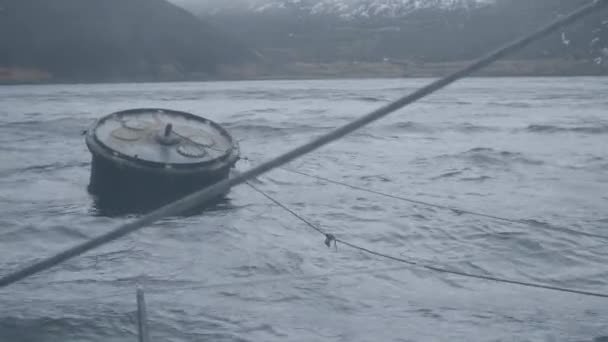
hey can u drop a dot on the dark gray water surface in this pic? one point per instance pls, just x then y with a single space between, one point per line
532 149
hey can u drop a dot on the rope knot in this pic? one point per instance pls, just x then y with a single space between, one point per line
329 238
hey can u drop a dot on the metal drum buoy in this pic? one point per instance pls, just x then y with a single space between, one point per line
147 157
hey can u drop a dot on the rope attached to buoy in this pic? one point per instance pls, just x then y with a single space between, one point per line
205 196
330 238
457 211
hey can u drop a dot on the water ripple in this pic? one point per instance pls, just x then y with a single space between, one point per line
473 147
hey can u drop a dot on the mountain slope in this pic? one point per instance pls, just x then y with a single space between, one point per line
340 8
109 39
414 30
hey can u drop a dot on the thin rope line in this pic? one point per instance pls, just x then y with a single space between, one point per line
448 208
450 262
204 196
475 276
502 256
310 224
284 207
331 237
455 210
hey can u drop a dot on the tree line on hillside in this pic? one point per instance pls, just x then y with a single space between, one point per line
111 39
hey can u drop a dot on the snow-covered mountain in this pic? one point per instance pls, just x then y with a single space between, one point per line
418 30
341 8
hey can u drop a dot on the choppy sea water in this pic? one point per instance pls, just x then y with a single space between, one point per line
523 148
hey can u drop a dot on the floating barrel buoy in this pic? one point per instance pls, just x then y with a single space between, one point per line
142 158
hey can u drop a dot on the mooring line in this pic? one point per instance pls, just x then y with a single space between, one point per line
527 254
476 276
330 238
204 196
530 223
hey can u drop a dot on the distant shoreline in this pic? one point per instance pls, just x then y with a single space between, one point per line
335 71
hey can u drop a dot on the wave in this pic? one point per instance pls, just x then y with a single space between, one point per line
375 178
409 126
415 127
43 168
490 156
254 128
511 104
599 129
280 129
461 174
68 126
447 175
371 99
261 126
476 179
65 328
471 128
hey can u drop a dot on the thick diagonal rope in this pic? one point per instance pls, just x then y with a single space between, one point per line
331 238
452 209
206 195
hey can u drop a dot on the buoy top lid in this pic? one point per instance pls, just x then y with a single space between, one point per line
163 136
